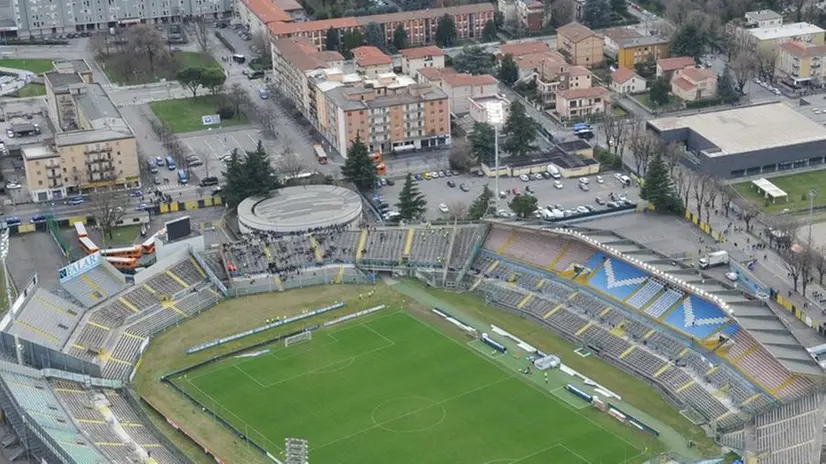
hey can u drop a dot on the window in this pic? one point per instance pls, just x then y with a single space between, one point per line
40 182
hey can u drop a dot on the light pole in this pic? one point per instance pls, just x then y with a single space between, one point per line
4 253
813 192
495 117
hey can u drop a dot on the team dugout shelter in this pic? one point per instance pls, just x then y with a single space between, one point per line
745 141
768 190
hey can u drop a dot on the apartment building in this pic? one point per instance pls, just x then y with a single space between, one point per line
633 51
391 113
257 15
93 147
420 25
372 62
460 87
613 37
530 14
552 74
581 103
692 84
414 59
292 62
799 63
763 18
581 45
765 30
33 18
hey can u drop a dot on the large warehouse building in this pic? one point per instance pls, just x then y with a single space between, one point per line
746 141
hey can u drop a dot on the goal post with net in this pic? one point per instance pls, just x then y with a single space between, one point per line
292 340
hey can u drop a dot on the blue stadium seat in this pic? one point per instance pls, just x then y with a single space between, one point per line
731 330
595 260
697 317
618 279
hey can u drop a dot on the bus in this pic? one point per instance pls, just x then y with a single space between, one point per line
88 246
375 157
148 246
81 230
580 126
381 169
182 179
170 163
122 263
125 252
320 154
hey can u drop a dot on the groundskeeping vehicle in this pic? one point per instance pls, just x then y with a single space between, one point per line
554 171
717 258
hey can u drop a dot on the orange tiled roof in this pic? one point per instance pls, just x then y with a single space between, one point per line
621 75
288 5
267 11
625 33
578 71
463 79
576 32
574 94
802 50
281 28
369 55
421 52
303 55
682 83
524 48
675 63
431 74
697 74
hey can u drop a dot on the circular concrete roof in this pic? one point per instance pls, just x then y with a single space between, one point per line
296 209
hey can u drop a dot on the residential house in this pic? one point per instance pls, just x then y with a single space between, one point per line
799 63
420 25
581 45
614 37
459 87
371 62
528 47
692 84
763 18
633 51
624 82
580 103
666 67
416 58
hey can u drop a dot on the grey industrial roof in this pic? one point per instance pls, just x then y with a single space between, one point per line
37 151
93 136
338 95
294 209
60 81
574 145
747 129
764 15
96 104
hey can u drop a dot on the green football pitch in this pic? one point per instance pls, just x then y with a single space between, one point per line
390 388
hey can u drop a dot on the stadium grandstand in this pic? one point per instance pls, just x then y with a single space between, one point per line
721 358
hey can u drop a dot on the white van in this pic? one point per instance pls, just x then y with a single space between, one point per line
625 179
554 171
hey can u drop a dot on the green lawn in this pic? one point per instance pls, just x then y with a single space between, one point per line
796 186
646 100
125 235
36 66
391 388
180 60
32 90
184 115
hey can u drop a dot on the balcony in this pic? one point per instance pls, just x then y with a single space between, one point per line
91 150
53 174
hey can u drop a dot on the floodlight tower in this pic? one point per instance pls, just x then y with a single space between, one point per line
495 111
4 253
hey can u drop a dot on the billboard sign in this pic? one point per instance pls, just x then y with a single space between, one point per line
79 267
211 119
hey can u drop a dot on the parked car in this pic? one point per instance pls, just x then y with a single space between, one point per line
558 185
546 174
464 188
419 177
537 176
584 180
75 201
426 176
39 217
582 209
529 189
12 185
156 180
524 178
600 201
584 187
392 182
443 208
159 160
600 180
136 193
451 184
516 191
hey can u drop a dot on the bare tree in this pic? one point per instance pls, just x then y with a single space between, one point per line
261 42
672 153
616 133
238 97
201 33
108 209
748 210
699 191
207 159
712 192
100 46
682 183
742 68
643 146
727 194
458 210
290 165
819 261
562 12
766 61
795 257
146 44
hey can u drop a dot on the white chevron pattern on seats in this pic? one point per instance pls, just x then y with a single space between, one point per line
611 280
691 320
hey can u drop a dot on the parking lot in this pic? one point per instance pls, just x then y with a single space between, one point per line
570 196
211 147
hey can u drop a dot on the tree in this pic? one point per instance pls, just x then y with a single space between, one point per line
596 13
682 183
332 42
819 261
648 68
562 12
201 33
689 40
619 7
350 40
359 168
482 143
374 35
460 159
412 204
213 79
290 165
457 210
481 205
748 211
521 131
445 31
523 205
190 78
108 209
658 188
766 63
238 98
249 175
742 69
400 38
726 89
643 145
474 60
700 191
617 132
489 32
146 43
508 70
658 92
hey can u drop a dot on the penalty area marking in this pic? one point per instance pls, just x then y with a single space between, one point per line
563 398
335 368
430 404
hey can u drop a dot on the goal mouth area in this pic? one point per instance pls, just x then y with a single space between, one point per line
298 338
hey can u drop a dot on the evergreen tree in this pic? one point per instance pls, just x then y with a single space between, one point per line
658 93
619 7
489 32
400 37
523 205
359 168
726 87
481 205
596 13
508 70
374 35
412 204
473 60
521 131
482 141
658 188
445 31
350 40
333 41
234 189
689 40
249 175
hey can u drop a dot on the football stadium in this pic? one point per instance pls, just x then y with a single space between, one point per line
487 343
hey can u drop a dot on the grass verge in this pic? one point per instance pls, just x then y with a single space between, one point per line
796 186
184 115
112 66
36 66
32 90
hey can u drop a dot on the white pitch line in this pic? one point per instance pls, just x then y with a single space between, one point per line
575 453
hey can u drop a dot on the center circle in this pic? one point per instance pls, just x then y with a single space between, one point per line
408 414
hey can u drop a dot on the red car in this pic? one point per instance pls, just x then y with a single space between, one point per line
516 191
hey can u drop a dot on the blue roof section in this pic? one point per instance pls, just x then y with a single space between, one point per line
618 278
697 317
595 260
